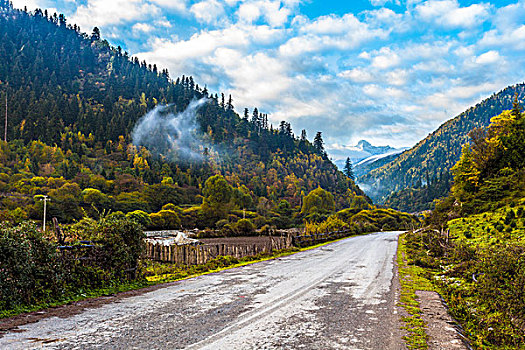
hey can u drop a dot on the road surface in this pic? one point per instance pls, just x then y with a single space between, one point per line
339 296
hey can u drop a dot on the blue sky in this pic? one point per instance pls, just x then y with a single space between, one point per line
388 71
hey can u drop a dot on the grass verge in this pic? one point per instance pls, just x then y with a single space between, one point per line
411 279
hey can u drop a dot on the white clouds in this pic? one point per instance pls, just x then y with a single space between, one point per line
272 11
510 17
512 38
330 33
448 13
385 72
386 58
208 11
489 57
142 27
358 75
176 5
378 91
333 25
163 23
257 79
398 77
102 12
452 96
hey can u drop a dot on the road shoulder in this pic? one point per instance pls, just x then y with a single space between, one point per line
425 316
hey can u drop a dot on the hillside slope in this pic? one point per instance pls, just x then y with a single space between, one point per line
439 151
474 247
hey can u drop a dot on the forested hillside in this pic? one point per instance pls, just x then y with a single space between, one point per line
474 249
434 156
73 101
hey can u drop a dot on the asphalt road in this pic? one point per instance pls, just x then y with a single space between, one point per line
339 296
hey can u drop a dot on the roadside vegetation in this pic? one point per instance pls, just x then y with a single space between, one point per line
99 257
473 250
35 274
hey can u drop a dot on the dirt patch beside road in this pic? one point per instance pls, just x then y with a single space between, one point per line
442 330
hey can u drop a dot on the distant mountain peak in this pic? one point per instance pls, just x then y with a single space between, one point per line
364 152
363 143
373 150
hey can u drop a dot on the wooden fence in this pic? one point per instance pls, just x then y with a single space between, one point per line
309 240
201 254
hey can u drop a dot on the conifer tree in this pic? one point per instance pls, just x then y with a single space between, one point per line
318 142
348 169
95 36
516 108
303 135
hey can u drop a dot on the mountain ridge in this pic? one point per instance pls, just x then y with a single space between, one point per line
439 151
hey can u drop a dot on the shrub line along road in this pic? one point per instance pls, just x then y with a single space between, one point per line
339 296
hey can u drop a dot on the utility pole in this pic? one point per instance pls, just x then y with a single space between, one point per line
45 199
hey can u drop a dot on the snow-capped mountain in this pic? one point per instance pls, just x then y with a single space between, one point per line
365 156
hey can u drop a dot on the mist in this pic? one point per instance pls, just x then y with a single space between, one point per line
174 136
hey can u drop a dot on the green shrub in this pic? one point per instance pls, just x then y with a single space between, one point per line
165 219
29 269
141 217
244 227
33 270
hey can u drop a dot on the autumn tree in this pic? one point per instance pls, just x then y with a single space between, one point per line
318 200
217 194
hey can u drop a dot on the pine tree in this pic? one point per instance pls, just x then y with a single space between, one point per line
95 36
348 169
319 143
516 108
230 103
303 135
255 118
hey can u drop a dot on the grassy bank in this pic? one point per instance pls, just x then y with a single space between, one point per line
412 278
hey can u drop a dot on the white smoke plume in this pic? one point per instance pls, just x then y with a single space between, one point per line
174 136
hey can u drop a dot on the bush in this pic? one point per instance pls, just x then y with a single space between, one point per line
29 269
32 270
501 287
141 217
244 227
123 242
165 220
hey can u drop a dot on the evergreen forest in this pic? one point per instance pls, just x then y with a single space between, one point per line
73 101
